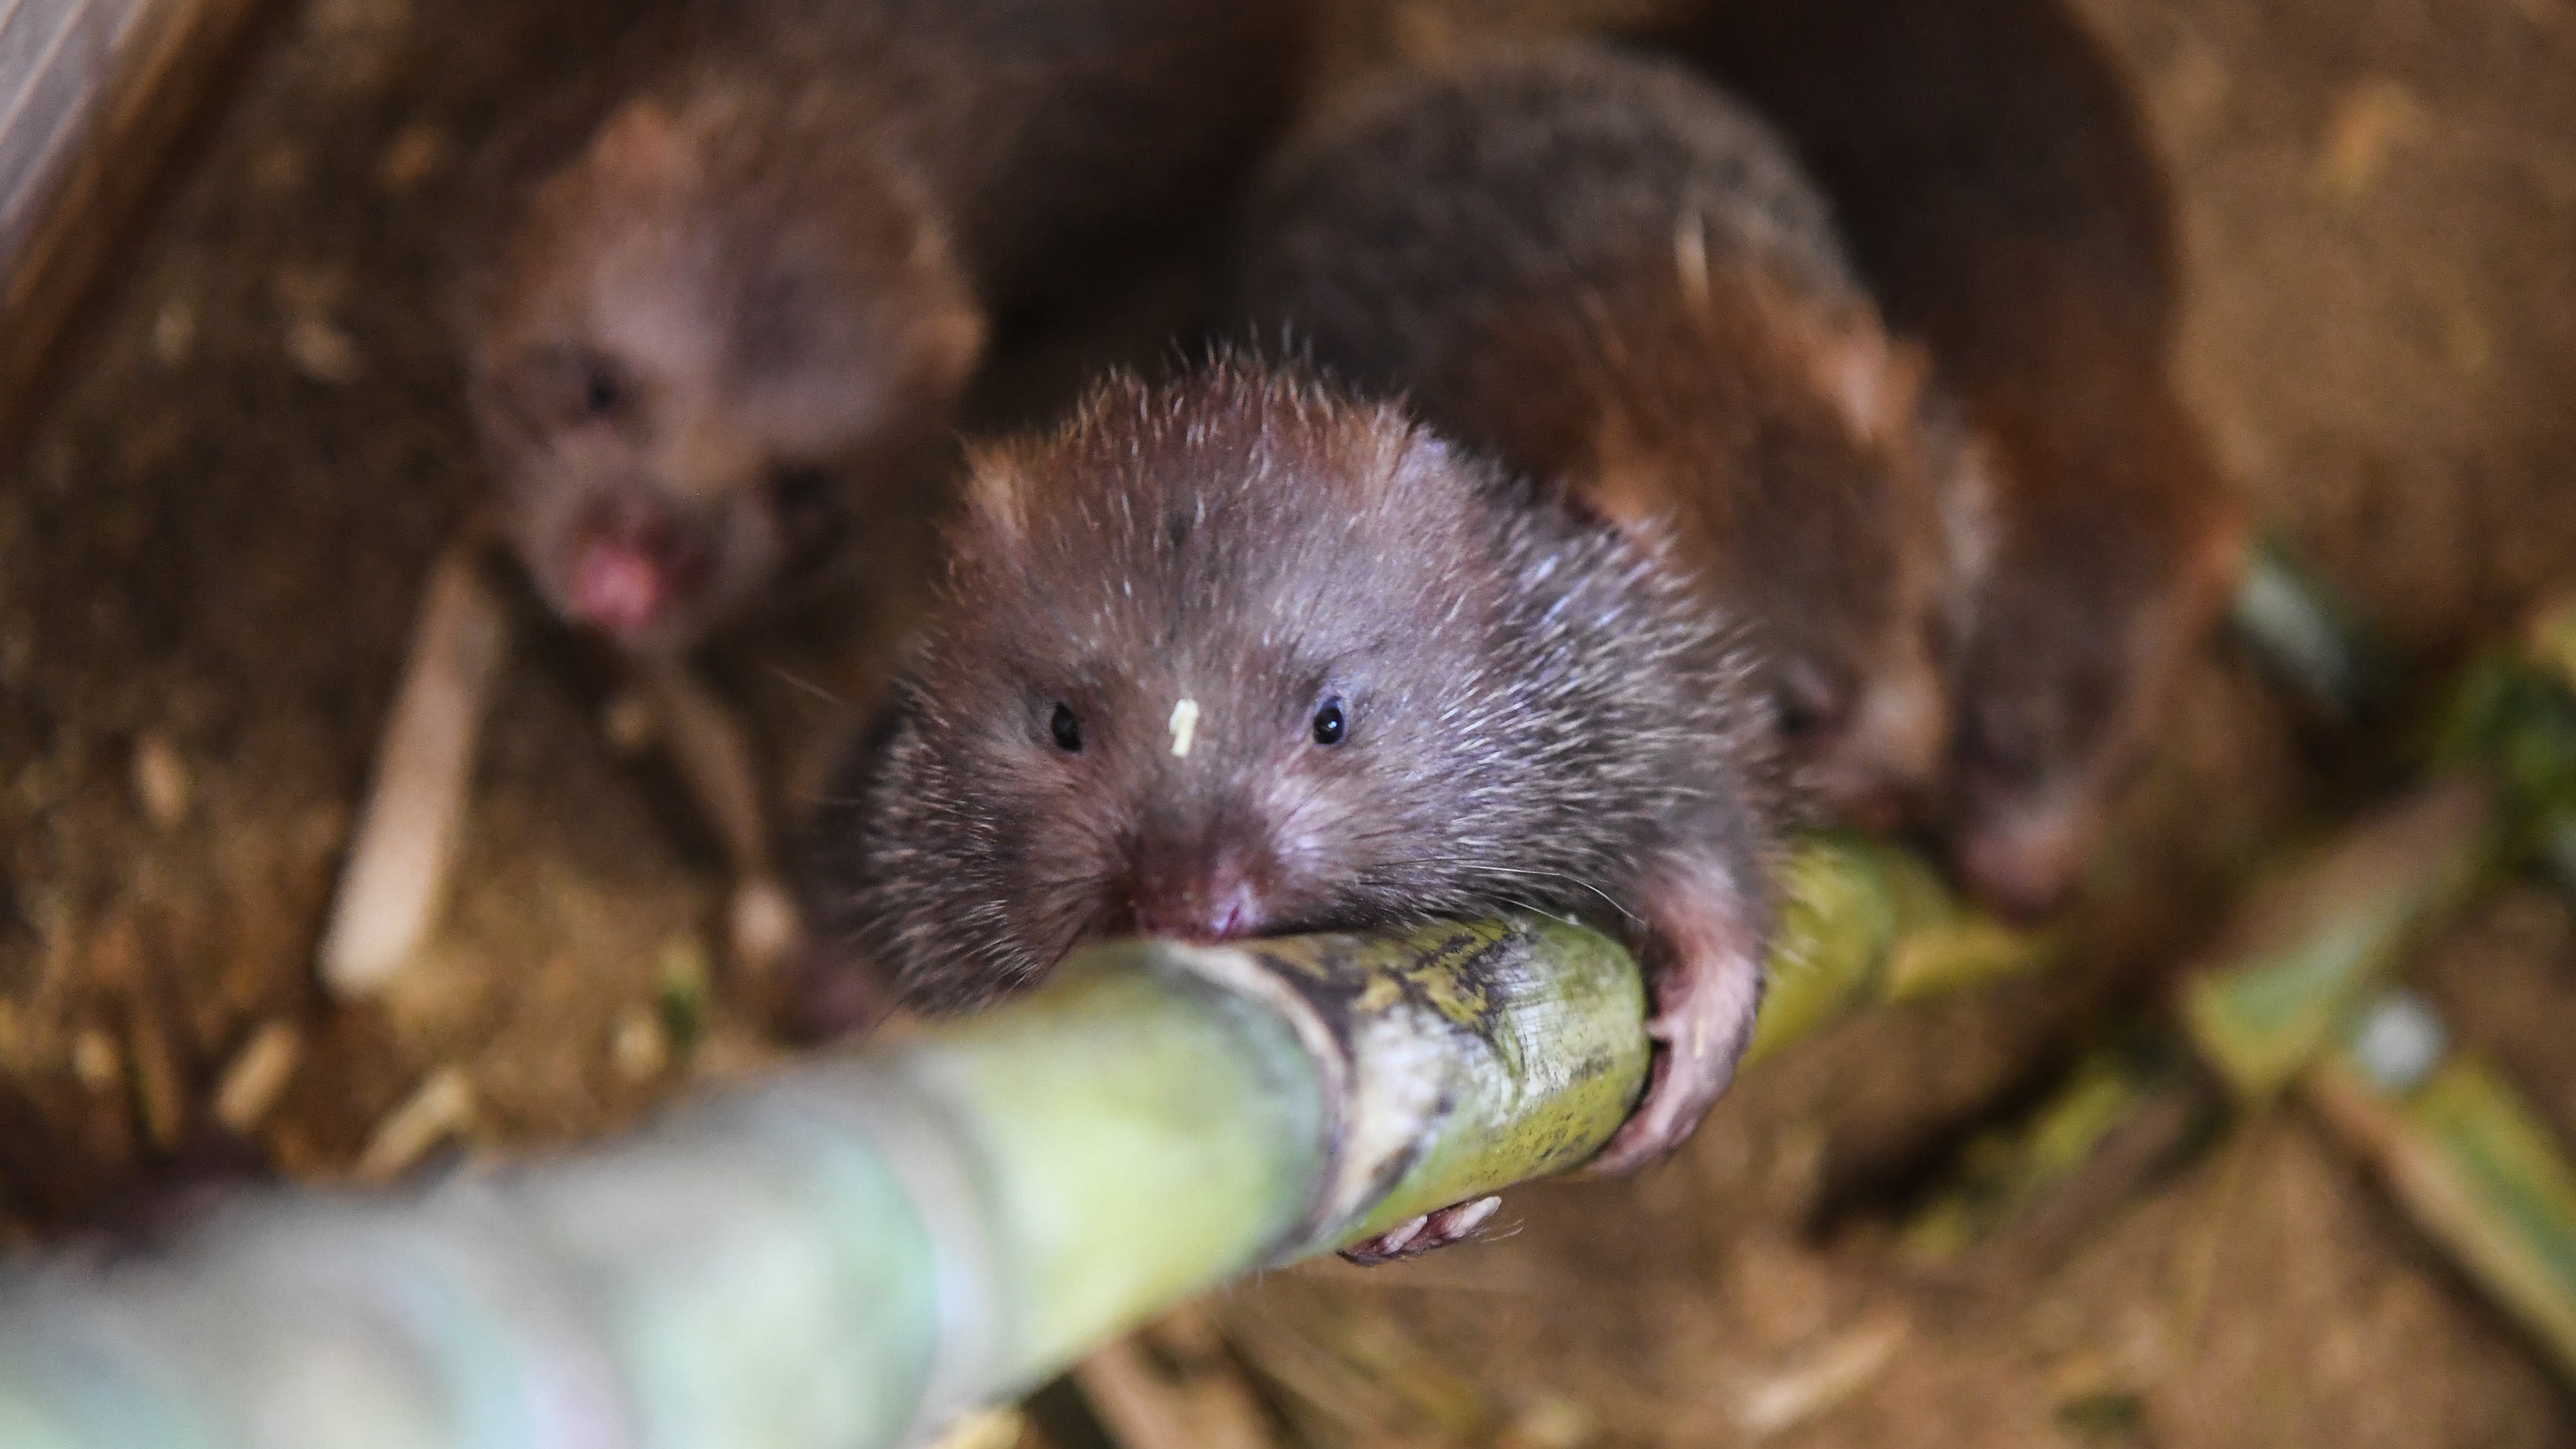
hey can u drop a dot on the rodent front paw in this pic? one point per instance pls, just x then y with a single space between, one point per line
1454 1224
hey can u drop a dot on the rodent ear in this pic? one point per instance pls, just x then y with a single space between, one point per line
949 346
994 506
1875 381
640 146
1624 484
1970 490
2217 558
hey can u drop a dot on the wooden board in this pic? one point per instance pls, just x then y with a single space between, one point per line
93 96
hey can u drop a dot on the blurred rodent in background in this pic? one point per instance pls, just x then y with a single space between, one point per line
722 307
1614 277
2000 194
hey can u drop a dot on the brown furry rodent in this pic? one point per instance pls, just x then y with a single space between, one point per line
750 302
1236 656
1606 271
2005 204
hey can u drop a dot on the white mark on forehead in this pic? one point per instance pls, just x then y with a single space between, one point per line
1185 726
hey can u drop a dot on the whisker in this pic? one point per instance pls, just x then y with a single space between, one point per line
807 685
1563 877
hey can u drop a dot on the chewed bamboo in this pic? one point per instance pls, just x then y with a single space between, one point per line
853 1254
862 1250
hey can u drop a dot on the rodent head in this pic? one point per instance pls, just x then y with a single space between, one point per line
705 340
1786 451
2103 584
1209 664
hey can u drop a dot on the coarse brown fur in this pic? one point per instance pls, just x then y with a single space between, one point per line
2003 200
1607 272
746 307
1527 709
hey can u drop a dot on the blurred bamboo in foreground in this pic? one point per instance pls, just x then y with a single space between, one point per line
2465 1155
857 1252
2299 957
2279 986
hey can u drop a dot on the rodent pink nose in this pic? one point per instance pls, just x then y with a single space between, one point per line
2023 874
634 563
619 586
1217 910
1879 810
1866 795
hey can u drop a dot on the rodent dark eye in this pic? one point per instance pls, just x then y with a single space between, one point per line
1066 729
1810 704
601 393
1999 746
813 518
1331 724
800 487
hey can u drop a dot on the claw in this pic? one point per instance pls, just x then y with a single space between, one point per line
1456 1224
1453 1224
1704 1011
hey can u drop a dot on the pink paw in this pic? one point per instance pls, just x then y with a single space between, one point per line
1683 1083
1704 1008
1453 1224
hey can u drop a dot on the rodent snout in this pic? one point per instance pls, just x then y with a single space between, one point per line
2024 865
1204 895
633 565
1886 766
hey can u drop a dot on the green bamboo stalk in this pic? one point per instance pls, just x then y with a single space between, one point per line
1867 923
850 1255
854 1253
2123 1114
2313 944
2472 1162
2274 993
2295 997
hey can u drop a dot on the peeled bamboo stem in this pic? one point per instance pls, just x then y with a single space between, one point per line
856 1253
